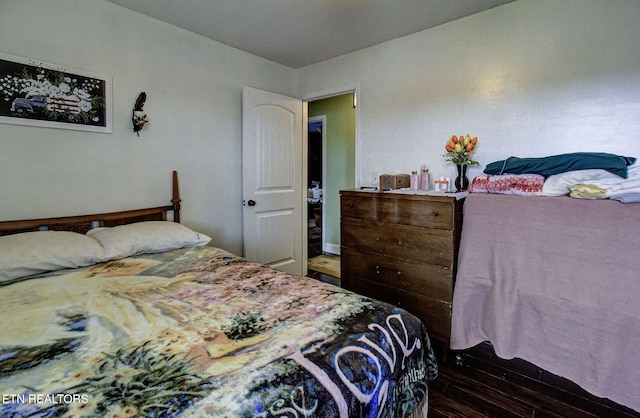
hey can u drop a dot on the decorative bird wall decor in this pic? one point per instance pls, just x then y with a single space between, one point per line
139 118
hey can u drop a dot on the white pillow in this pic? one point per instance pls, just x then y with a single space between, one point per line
146 237
560 184
30 253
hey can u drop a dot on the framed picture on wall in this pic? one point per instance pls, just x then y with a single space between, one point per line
36 93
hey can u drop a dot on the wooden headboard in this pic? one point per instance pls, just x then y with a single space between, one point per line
83 223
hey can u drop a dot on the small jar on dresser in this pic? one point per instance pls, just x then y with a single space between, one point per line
402 249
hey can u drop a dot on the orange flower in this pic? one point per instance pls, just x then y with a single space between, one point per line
459 149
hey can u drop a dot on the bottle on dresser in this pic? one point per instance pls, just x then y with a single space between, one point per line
414 181
424 178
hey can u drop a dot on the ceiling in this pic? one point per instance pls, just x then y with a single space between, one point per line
296 33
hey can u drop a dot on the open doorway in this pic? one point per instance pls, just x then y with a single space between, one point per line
315 181
331 168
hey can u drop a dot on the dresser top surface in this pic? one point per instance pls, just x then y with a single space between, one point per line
406 194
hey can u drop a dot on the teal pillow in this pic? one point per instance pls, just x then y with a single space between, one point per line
562 163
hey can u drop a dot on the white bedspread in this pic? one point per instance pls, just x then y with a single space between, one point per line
554 281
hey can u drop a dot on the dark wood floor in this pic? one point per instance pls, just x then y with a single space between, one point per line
482 385
486 386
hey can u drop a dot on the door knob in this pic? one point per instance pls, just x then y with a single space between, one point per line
251 203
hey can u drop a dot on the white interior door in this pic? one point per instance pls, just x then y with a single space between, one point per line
273 179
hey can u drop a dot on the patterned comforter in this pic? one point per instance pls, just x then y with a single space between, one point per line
202 332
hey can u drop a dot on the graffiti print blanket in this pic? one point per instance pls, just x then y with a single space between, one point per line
202 332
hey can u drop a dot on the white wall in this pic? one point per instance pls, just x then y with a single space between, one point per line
530 79
194 92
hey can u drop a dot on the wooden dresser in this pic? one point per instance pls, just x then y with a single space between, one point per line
402 249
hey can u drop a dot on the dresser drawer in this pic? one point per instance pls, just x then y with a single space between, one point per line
429 246
379 207
434 314
424 279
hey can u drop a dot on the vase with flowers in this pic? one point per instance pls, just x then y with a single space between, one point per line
460 152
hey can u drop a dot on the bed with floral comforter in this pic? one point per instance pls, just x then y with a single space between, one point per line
202 332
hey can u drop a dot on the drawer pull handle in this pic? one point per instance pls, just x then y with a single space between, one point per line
399 273
434 213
